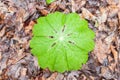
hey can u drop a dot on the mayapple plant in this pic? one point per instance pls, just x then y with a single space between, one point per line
61 42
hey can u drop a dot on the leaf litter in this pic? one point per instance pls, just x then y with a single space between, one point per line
16 18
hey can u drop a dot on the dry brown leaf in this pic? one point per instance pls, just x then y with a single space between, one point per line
112 10
23 71
53 76
2 16
62 5
77 4
103 15
110 59
53 6
112 2
3 64
43 78
59 76
87 14
73 75
0 56
73 5
115 53
119 15
2 32
11 9
112 22
20 13
112 67
83 77
110 38
29 27
18 59
92 78
3 7
100 51
119 18
44 12
106 73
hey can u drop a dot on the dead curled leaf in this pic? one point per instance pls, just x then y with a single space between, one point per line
59 76
103 15
0 55
77 4
52 77
112 10
44 12
23 71
53 6
112 67
2 32
101 51
29 27
115 53
106 73
2 16
73 75
87 14
119 18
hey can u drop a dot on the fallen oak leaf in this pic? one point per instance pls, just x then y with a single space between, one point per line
53 76
88 15
100 51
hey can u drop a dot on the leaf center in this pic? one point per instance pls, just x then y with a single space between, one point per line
61 38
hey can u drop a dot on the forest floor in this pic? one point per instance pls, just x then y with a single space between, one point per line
17 18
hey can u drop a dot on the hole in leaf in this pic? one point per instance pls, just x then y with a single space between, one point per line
71 42
53 44
51 36
63 28
69 34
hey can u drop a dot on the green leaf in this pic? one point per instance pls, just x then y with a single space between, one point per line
49 1
61 42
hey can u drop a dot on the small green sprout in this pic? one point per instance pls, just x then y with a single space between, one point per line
49 1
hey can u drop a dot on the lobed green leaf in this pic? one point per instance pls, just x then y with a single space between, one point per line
61 42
